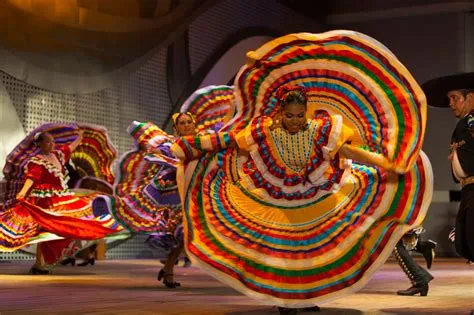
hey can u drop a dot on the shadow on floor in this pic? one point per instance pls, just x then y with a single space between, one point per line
417 311
323 311
214 291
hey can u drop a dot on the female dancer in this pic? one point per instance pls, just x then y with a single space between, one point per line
184 125
282 215
148 202
46 211
147 199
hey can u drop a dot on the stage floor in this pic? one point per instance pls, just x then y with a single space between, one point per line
130 287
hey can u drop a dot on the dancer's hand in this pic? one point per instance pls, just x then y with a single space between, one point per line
155 150
25 189
77 141
358 154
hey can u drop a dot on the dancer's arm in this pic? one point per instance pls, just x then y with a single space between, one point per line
355 153
191 147
344 147
25 189
76 142
32 173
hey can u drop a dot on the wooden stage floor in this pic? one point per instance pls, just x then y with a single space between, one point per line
130 287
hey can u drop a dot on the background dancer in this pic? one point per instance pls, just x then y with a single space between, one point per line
457 92
45 211
418 276
147 199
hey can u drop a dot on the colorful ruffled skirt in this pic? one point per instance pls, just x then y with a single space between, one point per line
293 238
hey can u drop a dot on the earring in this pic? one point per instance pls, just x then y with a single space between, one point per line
276 123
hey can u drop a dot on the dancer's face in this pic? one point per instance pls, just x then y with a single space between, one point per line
46 143
293 117
185 125
461 104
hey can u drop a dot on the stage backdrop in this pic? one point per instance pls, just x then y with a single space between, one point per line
88 80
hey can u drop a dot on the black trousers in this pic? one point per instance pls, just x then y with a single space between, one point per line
417 274
464 240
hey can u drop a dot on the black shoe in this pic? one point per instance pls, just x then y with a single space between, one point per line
427 249
68 261
90 261
38 271
287 311
187 262
423 291
169 284
160 275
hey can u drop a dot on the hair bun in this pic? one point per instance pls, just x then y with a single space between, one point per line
285 89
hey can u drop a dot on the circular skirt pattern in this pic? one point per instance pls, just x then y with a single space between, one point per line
38 220
304 255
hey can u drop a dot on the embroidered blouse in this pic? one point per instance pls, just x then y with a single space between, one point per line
47 179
